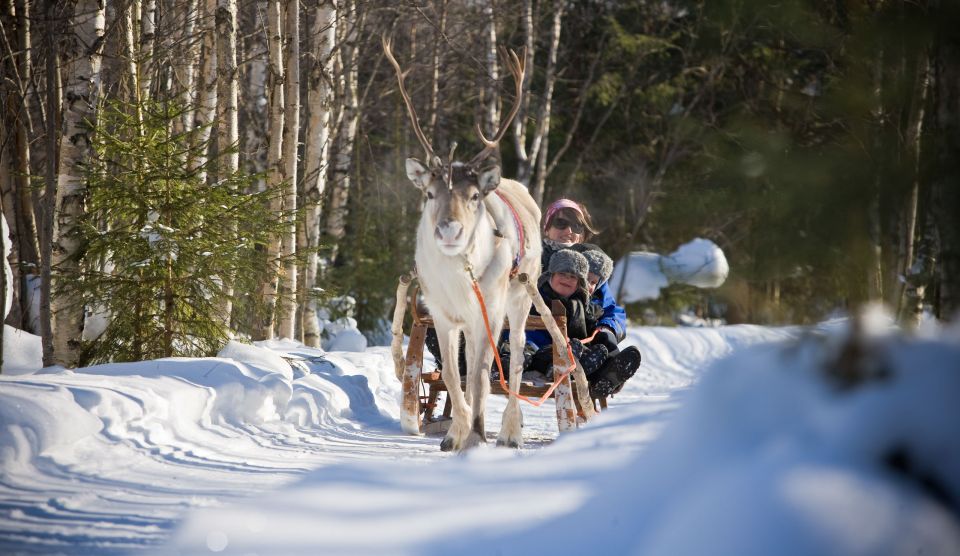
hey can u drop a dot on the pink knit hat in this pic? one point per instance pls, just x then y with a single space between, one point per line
556 206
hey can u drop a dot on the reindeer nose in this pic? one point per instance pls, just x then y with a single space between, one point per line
448 230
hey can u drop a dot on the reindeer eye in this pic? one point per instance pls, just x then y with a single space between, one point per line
475 197
429 194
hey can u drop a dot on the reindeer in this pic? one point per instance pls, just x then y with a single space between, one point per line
475 226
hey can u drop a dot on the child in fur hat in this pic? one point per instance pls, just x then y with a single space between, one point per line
566 280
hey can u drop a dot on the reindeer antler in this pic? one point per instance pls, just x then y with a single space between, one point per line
517 66
432 160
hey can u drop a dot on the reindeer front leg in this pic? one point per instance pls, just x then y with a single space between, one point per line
511 434
460 427
478 384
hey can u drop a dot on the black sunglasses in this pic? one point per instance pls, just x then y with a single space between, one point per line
563 223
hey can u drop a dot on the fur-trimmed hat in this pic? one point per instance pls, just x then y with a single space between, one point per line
600 264
570 262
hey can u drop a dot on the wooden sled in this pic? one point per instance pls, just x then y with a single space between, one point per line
421 388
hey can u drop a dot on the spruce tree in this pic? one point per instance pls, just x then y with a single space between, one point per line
158 242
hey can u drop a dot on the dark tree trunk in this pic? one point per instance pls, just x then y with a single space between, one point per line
945 179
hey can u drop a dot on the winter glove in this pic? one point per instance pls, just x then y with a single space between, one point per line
576 346
606 337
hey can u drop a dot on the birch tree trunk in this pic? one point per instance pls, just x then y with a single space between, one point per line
185 69
5 302
26 218
875 267
130 48
16 166
7 198
81 92
253 117
148 35
528 161
288 246
317 148
274 158
434 120
227 87
6 278
48 201
491 98
207 91
228 130
913 144
346 134
537 157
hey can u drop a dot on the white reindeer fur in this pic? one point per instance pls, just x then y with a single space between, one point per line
449 296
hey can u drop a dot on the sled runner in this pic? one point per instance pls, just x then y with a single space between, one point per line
421 388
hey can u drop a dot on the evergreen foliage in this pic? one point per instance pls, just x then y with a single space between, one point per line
779 130
159 244
379 244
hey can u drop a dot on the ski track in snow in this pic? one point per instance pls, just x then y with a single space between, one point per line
110 459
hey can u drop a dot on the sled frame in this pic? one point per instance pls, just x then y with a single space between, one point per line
422 407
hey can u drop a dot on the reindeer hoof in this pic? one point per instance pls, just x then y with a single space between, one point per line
446 445
508 443
473 441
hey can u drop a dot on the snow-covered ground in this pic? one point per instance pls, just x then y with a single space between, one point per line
731 440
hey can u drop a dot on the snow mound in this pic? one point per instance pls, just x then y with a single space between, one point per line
640 275
838 443
698 263
266 359
348 339
22 351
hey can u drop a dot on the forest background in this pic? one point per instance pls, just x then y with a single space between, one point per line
177 171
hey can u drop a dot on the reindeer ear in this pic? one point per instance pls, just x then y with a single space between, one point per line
418 173
489 179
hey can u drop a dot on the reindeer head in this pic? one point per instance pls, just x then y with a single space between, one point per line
454 191
453 200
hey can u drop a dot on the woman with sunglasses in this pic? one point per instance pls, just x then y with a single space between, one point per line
565 223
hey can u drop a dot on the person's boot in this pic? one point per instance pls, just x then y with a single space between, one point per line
593 358
615 372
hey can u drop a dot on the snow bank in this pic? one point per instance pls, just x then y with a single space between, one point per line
808 446
820 446
792 443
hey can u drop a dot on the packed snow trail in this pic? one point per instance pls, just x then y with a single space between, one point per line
109 459
827 444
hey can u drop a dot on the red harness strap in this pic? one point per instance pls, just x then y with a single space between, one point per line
516 222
